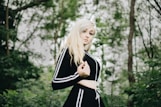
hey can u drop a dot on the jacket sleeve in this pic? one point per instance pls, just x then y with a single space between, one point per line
65 74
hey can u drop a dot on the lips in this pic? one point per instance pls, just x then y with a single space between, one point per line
85 40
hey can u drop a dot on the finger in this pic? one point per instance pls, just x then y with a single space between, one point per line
81 65
86 63
82 61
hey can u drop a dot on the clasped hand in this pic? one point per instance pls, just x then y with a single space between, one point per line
83 69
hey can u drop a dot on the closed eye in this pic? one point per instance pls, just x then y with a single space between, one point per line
84 31
91 33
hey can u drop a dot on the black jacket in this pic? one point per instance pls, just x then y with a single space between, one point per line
66 74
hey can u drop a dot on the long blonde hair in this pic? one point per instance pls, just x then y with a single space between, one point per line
74 41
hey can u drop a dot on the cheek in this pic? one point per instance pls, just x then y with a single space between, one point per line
81 35
91 38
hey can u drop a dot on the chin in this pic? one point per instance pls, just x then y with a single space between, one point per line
86 43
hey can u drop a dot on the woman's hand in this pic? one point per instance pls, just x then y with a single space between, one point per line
83 69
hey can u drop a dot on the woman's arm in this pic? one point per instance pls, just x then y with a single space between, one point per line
65 74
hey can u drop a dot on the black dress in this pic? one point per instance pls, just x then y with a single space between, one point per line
65 75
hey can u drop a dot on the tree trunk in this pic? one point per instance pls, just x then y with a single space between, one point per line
130 50
7 29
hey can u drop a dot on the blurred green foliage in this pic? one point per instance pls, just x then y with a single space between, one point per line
146 92
23 84
34 93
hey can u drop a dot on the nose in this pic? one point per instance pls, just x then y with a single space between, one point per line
87 35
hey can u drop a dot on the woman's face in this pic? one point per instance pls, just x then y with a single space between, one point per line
87 35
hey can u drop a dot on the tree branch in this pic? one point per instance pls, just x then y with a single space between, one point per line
150 33
159 6
30 5
141 33
159 11
32 33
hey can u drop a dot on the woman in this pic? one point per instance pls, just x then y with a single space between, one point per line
75 67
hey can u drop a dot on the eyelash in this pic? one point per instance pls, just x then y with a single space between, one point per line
84 31
91 33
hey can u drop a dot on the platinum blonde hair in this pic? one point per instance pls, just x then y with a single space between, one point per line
75 43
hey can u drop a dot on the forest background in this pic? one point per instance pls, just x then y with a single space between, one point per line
127 44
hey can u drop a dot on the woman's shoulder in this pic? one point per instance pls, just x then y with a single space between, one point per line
64 51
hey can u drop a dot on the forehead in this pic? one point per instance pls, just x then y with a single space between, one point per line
89 27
